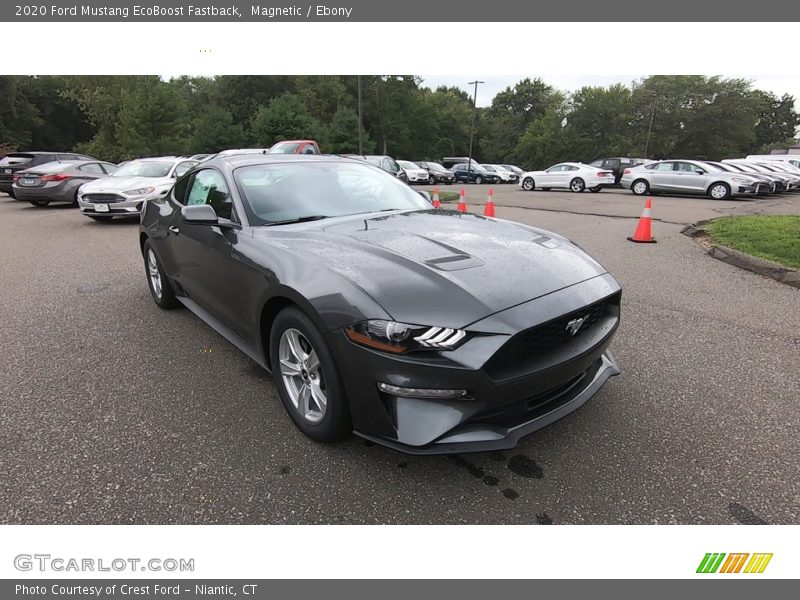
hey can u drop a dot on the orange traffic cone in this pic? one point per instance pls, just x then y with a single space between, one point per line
642 235
462 202
436 203
488 210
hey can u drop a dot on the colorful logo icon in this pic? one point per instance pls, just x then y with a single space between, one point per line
737 562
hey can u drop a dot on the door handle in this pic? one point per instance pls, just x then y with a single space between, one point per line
174 229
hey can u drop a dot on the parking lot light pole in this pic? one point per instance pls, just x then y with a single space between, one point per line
360 122
650 127
472 129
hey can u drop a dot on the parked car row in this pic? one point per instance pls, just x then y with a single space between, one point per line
719 180
459 169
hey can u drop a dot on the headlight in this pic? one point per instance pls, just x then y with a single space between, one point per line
140 191
399 338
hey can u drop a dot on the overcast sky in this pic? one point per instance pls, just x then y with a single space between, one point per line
779 85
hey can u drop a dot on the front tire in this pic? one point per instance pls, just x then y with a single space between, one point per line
160 287
432 180
307 379
40 203
528 184
577 185
640 187
719 191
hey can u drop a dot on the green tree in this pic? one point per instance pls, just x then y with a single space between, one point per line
343 134
284 118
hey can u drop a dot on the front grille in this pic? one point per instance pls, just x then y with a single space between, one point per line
104 198
551 343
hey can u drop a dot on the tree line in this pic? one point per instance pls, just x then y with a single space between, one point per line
531 124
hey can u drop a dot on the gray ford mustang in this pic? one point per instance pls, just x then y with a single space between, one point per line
430 331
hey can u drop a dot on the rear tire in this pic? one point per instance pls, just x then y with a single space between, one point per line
305 373
479 180
39 203
577 185
640 187
432 180
157 281
594 190
528 184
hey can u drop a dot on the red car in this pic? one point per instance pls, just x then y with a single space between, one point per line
295 147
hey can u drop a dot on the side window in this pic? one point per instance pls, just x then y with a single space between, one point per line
665 166
392 166
556 169
183 167
572 168
92 168
687 167
179 190
209 187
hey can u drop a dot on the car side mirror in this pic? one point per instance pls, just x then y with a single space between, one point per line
163 192
425 195
700 172
199 213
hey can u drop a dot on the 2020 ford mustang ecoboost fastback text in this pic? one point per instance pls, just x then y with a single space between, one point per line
430 331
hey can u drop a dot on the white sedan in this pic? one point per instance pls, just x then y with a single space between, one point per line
415 173
570 175
125 191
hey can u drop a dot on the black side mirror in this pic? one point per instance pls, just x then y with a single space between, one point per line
700 172
199 213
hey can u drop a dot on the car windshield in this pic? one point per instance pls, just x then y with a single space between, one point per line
52 167
436 167
287 192
407 164
144 168
15 160
489 168
284 148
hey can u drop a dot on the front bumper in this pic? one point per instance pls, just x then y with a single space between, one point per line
480 437
503 404
129 207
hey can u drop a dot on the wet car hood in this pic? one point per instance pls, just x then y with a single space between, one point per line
122 184
440 267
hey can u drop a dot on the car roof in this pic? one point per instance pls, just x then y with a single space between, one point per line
246 160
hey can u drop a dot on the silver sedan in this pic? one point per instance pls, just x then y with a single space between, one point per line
689 177
58 181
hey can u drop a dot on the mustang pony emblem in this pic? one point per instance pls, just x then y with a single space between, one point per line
574 326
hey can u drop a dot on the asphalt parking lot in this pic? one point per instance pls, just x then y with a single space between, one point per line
113 411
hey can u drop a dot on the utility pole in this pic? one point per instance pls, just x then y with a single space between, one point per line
650 127
360 121
472 130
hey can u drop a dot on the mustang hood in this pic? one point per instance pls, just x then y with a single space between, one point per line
122 184
442 267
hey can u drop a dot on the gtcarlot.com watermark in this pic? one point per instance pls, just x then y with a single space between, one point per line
46 563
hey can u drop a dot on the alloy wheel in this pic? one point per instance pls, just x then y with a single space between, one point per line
302 376
154 273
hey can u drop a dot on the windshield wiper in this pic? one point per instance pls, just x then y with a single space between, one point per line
298 220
